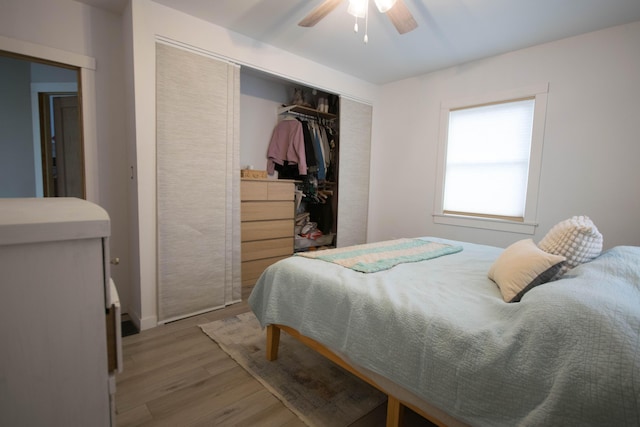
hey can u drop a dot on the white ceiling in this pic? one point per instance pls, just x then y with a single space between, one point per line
449 32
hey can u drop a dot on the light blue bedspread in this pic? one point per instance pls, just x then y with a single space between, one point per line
567 354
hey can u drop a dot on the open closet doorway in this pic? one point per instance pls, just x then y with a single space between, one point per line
41 144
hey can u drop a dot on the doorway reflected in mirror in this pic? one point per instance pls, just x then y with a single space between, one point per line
41 148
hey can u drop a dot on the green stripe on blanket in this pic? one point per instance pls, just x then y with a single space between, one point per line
373 257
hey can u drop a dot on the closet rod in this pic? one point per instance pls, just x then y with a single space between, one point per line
305 112
321 120
304 115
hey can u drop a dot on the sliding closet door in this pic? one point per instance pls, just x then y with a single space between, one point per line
197 146
353 181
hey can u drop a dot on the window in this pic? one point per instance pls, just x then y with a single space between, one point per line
489 161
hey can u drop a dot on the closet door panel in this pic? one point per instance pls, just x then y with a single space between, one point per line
353 180
194 193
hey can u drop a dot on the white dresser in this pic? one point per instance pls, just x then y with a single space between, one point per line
59 312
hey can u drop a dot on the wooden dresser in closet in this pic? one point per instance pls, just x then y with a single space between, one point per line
267 215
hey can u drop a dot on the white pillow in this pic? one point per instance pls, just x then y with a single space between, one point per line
521 267
576 238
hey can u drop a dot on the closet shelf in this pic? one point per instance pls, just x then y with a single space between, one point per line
308 111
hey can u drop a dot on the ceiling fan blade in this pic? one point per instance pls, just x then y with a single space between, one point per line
401 17
318 13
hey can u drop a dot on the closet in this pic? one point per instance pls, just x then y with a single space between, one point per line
338 202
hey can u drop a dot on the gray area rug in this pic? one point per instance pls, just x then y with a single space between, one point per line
314 388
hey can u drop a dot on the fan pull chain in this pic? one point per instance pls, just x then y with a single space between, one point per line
366 24
357 13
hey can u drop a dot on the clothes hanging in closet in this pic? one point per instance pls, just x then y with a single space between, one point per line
308 145
287 147
301 146
318 149
319 146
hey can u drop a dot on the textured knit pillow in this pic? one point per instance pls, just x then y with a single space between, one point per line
576 238
521 267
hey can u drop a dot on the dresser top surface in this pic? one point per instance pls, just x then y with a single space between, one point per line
28 220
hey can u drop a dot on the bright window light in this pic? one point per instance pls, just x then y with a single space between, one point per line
490 159
487 160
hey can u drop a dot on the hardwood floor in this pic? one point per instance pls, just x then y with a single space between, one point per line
174 375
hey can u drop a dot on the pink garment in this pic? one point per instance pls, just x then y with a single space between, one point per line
287 143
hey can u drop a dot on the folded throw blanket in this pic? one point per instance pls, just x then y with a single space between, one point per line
373 257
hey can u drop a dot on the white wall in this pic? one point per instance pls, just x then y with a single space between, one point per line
149 20
17 173
591 143
72 29
256 128
259 102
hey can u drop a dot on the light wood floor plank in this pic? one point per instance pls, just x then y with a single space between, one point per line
170 346
159 368
274 415
255 409
134 417
208 400
220 390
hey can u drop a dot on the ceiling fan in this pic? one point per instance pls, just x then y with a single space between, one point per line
396 10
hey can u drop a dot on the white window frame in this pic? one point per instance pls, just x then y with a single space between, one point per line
529 224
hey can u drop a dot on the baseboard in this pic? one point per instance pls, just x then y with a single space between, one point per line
143 324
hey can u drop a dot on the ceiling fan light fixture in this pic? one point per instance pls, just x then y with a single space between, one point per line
384 5
358 8
395 10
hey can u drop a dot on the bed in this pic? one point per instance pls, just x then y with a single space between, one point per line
439 337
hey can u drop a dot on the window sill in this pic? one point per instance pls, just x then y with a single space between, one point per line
485 223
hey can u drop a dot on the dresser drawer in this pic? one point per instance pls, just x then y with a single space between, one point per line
266 190
266 248
253 190
280 191
259 211
261 230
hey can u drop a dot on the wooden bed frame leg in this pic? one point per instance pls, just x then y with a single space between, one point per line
395 412
273 341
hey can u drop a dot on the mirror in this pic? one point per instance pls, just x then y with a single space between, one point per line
41 149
